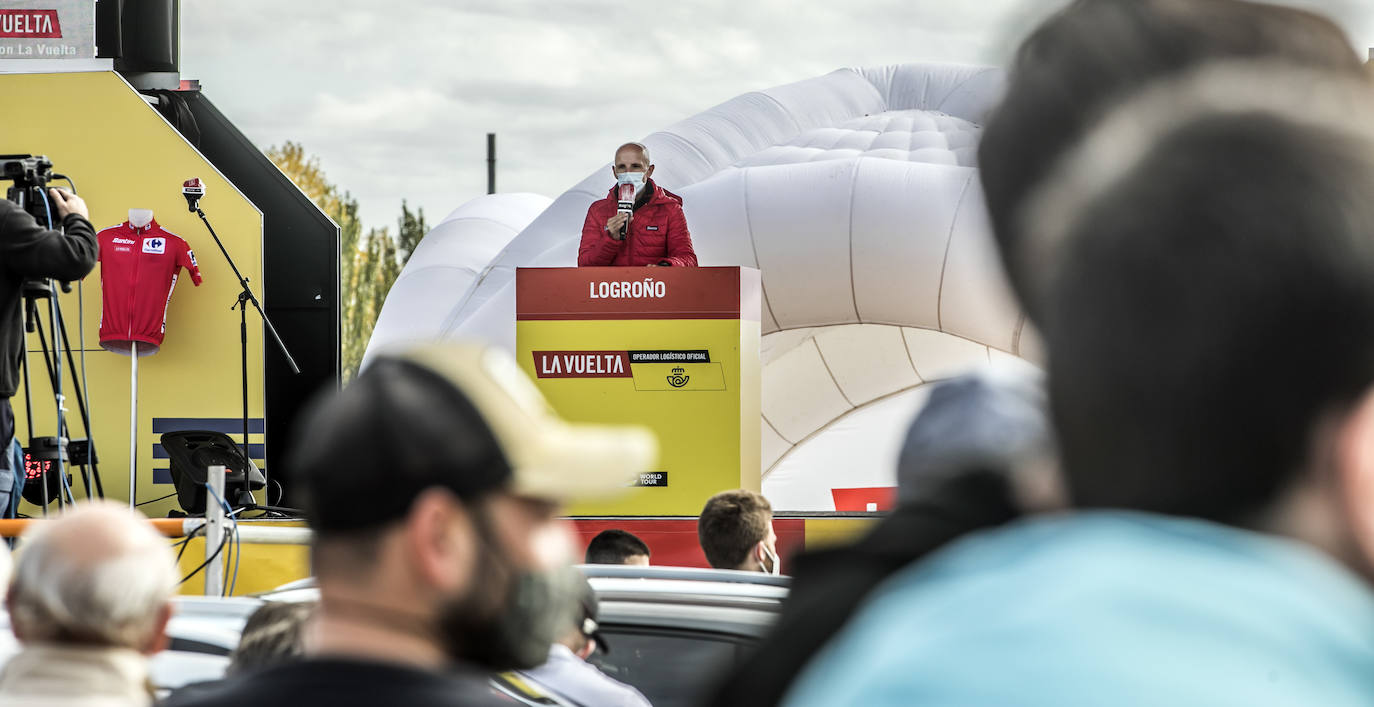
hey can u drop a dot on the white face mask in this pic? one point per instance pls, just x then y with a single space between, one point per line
774 566
635 178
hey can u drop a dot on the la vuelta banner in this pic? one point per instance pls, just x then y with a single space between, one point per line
673 349
47 29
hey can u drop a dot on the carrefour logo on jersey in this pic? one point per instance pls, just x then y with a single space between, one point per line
157 246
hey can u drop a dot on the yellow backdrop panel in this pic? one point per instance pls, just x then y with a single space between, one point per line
123 155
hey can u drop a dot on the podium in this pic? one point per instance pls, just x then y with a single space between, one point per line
673 349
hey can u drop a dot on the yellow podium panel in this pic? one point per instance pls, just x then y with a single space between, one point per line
673 349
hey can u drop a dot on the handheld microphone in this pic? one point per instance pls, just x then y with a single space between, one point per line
625 203
193 190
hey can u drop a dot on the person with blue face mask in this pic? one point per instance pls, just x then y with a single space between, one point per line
638 223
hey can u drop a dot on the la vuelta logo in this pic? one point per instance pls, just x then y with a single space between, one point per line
30 24
582 364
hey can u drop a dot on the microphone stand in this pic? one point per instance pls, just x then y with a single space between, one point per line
246 298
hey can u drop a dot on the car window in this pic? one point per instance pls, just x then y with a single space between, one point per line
667 665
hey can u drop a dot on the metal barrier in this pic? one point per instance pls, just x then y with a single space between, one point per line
216 527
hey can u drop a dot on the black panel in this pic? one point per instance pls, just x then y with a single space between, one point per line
301 273
141 35
107 29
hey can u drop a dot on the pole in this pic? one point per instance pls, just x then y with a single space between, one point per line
491 163
243 366
214 532
133 424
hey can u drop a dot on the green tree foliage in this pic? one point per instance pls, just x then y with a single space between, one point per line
410 227
369 264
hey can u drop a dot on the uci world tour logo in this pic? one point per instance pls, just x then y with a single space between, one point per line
678 379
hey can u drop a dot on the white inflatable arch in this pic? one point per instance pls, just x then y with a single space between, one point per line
856 196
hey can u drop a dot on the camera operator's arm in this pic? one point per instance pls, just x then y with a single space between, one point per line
68 203
30 250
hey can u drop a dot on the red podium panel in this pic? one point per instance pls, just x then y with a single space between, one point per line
605 294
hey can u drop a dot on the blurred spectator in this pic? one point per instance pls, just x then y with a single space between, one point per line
1209 233
980 437
1094 53
273 634
736 532
433 484
567 675
1072 68
617 547
90 601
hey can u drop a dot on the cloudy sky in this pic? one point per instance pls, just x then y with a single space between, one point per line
395 98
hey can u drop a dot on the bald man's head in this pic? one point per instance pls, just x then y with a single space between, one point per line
632 157
99 575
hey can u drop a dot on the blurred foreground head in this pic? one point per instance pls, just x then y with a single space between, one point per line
1084 60
433 483
984 435
99 576
1204 261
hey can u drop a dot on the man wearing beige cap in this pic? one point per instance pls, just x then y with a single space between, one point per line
433 484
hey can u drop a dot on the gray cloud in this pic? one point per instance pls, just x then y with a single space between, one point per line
395 98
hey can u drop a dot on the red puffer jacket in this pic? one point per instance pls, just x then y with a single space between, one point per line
657 234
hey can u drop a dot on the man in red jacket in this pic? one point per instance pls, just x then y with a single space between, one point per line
655 233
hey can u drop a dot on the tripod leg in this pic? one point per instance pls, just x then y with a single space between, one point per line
28 394
47 363
28 411
52 364
64 491
43 345
88 467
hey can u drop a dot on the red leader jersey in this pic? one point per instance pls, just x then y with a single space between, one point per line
138 271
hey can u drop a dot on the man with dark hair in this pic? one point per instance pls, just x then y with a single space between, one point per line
1210 234
736 532
433 484
617 547
1090 55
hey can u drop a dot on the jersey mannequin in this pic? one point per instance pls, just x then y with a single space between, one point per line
138 218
